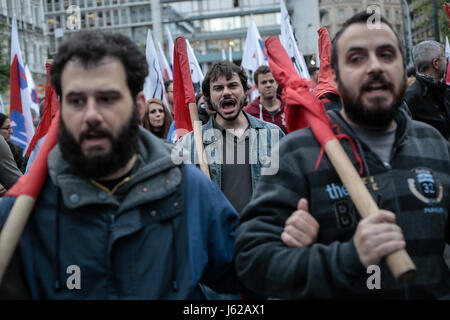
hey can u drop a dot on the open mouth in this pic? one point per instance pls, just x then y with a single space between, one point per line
375 89
228 106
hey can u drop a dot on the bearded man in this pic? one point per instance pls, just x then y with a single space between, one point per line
405 165
116 218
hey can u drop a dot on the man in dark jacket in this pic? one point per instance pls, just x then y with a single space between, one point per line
268 106
116 218
406 167
426 96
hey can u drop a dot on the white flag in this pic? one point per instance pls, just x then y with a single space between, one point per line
230 54
255 54
447 48
290 45
196 72
20 98
166 70
2 106
33 91
224 57
170 42
154 85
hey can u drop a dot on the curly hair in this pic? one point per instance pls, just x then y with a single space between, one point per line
89 47
167 119
222 68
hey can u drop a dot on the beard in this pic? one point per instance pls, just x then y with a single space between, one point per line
376 116
123 148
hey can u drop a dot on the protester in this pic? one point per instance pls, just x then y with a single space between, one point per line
169 89
406 167
157 118
204 112
268 106
411 74
116 218
6 130
237 144
9 172
426 96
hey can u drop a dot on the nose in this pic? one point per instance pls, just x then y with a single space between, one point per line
92 115
226 91
374 65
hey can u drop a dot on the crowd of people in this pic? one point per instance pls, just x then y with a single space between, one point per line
125 202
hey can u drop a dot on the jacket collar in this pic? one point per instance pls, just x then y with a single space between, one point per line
402 119
208 139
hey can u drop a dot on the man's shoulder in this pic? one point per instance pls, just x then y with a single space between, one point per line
253 107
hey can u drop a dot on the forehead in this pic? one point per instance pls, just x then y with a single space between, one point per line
359 35
109 72
154 105
265 76
222 79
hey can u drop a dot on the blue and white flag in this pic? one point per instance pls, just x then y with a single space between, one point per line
255 54
20 98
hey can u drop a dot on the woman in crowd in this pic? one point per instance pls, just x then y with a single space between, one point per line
6 131
157 118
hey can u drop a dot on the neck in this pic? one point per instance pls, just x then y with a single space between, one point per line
120 172
432 75
238 125
391 125
271 104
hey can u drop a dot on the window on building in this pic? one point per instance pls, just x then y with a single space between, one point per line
99 18
124 16
90 20
341 14
115 17
108 18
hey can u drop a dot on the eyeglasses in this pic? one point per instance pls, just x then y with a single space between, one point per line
6 128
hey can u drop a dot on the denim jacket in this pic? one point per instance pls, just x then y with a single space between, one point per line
264 138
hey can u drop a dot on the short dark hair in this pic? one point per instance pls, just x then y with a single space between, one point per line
167 84
219 69
260 70
90 47
361 17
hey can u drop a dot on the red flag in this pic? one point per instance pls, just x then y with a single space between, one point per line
447 11
182 88
325 81
298 97
447 77
31 183
51 106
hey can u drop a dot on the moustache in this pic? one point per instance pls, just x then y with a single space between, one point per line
95 132
377 78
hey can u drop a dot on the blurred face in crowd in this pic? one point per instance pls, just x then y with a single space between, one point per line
156 115
99 126
371 76
6 130
170 96
227 96
267 86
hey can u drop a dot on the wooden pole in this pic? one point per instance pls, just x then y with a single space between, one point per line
198 141
399 262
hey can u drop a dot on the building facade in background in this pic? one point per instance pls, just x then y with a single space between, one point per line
210 25
33 40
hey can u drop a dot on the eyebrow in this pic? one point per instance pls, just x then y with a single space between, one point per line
98 92
381 47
